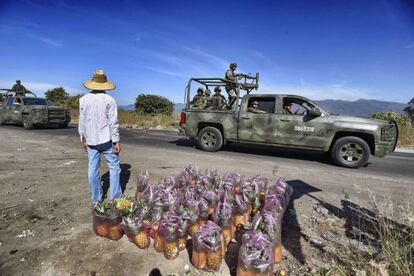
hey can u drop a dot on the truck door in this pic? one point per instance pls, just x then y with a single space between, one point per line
257 124
298 125
9 109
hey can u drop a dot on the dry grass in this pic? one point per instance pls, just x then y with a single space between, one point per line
391 244
406 138
141 121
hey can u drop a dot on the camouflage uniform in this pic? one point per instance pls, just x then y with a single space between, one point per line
218 101
198 100
19 89
231 87
207 98
253 108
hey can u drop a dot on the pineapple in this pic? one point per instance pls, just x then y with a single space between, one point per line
239 219
171 250
278 253
214 260
101 229
182 243
199 259
227 235
158 243
115 232
142 240
193 228
123 204
201 222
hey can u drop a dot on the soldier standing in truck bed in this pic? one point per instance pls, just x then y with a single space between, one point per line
218 102
198 100
231 87
19 89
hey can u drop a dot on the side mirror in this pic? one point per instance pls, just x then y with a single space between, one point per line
315 112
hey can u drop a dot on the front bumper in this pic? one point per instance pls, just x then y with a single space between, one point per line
382 149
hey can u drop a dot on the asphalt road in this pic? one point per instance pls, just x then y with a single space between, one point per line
395 165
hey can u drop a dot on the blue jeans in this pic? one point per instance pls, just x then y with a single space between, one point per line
94 173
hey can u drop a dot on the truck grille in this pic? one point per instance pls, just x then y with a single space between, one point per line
56 114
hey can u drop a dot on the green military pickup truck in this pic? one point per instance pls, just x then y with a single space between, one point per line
286 121
33 111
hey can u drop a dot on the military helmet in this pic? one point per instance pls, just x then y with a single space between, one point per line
200 90
254 103
217 89
18 81
233 64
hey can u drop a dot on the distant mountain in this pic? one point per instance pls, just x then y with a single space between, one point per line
361 107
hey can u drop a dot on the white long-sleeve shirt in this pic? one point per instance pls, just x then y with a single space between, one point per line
98 119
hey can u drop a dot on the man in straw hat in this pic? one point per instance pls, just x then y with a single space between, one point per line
99 134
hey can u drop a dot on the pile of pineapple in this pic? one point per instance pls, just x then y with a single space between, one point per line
209 208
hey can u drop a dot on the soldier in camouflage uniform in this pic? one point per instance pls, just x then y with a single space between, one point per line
198 101
207 98
19 89
218 102
231 87
253 107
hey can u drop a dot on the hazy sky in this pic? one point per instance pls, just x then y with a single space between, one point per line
327 49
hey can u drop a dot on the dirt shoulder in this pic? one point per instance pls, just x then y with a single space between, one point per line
46 224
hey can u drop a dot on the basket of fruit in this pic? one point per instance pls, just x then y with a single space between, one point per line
106 221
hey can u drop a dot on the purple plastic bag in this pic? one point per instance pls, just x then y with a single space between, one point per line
256 255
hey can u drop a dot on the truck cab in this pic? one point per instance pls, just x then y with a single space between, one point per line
289 121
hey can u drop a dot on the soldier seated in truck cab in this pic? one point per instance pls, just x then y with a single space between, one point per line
254 108
288 110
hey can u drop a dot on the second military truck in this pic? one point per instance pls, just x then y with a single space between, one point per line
33 111
286 121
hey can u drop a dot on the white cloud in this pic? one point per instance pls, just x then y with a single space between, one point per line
409 46
46 40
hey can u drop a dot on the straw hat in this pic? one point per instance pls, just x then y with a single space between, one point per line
99 82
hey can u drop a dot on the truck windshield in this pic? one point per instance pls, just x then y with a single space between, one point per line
34 101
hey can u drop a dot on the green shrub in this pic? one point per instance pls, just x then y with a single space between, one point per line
401 119
153 104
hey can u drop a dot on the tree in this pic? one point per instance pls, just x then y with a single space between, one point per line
73 101
401 119
153 104
409 110
58 95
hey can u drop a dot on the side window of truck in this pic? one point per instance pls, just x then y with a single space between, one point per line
10 102
292 106
261 105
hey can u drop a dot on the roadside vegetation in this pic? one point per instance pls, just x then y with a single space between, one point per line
406 135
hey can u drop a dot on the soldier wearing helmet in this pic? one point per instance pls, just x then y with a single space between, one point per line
218 102
19 89
231 87
198 100
254 108
207 98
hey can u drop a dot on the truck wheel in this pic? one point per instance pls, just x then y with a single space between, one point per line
350 152
27 124
210 139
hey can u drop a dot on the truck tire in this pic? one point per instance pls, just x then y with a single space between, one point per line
350 152
27 123
210 139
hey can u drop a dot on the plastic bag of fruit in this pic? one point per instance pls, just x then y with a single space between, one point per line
261 182
208 247
150 217
107 221
142 183
193 215
203 207
241 211
169 232
211 198
223 217
135 229
271 226
183 225
255 256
